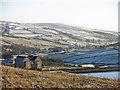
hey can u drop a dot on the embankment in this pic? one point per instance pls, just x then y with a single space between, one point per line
89 70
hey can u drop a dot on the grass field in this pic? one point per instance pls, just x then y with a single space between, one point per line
20 78
30 43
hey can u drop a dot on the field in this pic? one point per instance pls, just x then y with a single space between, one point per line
106 56
29 42
20 78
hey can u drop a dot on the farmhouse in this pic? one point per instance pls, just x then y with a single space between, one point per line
22 62
29 62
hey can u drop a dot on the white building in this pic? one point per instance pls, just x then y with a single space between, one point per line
88 65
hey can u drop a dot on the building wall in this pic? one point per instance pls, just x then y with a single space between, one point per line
27 63
19 64
38 63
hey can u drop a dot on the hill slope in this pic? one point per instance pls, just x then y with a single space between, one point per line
20 78
57 34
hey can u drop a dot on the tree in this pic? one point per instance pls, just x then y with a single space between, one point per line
7 56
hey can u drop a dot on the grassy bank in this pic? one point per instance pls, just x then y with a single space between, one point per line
81 69
89 70
20 78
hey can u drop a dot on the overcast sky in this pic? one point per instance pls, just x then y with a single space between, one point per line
97 14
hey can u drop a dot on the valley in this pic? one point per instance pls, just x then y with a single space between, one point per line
75 45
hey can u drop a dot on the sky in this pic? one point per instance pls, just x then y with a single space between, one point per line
96 14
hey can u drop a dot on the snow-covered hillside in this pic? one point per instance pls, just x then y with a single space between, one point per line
94 57
61 34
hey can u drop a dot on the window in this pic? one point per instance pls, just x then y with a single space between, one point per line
38 65
38 62
26 62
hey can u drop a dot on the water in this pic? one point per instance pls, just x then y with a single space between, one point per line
110 75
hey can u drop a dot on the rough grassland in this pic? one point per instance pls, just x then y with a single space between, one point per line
20 78
30 43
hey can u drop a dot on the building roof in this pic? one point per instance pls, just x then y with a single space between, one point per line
20 58
32 58
8 62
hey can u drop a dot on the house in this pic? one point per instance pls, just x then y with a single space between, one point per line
28 62
22 62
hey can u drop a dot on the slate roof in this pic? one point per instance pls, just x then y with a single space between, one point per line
20 58
32 58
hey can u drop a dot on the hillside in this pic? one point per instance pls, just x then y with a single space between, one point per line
107 57
80 45
20 78
47 35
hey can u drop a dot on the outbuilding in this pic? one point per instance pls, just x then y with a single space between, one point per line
87 65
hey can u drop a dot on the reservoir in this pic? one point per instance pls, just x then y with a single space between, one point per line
110 75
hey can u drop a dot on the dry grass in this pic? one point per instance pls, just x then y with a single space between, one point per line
20 78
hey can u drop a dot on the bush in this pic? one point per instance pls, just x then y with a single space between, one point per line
15 49
7 55
56 49
47 61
